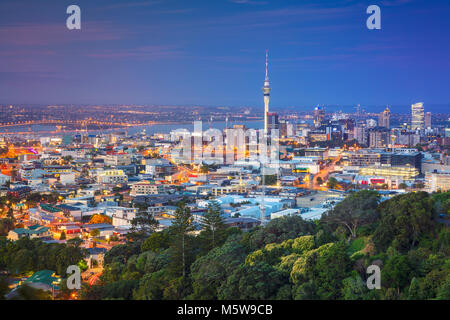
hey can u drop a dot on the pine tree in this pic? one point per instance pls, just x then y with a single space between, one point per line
180 229
213 225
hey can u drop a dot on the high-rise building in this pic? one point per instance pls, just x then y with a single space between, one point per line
406 138
379 137
428 120
384 118
417 116
266 90
319 115
360 135
286 129
273 122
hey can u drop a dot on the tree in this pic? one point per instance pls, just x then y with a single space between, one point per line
76 242
180 228
414 290
122 253
278 230
156 242
95 233
211 270
270 180
213 225
26 292
151 286
259 281
326 266
6 225
402 186
354 288
442 201
404 220
397 272
419 147
306 291
358 209
444 290
4 288
100 218
143 225
332 183
419 185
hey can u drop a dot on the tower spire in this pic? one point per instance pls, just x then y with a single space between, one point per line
266 90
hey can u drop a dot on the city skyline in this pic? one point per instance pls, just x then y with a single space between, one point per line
163 52
143 157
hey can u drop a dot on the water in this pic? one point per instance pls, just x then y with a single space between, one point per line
50 130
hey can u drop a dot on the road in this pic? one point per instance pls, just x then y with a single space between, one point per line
324 173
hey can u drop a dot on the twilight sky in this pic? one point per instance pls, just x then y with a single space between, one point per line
211 52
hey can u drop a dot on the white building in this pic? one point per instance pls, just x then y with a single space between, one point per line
118 159
146 188
121 216
111 176
67 178
284 213
439 180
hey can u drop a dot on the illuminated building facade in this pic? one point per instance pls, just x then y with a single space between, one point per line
438 180
428 120
273 122
406 172
417 116
319 115
384 118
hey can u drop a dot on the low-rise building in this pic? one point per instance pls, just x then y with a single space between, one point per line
118 159
437 180
146 188
32 232
111 177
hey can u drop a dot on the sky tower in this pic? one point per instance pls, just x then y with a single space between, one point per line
266 90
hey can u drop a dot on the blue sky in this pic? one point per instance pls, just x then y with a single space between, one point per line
211 52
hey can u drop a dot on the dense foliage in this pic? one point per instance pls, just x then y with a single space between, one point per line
25 255
290 258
